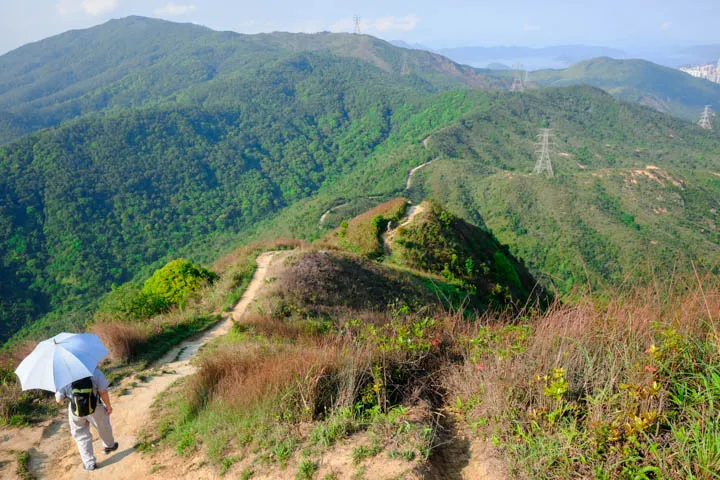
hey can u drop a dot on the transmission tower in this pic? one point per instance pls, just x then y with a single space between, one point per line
543 164
518 85
705 118
356 22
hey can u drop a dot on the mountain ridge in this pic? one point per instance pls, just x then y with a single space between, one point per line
138 61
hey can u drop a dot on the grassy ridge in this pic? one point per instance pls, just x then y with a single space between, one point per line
620 389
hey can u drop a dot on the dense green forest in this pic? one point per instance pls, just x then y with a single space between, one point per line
95 200
661 88
140 62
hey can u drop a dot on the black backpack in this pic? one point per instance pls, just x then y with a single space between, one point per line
84 399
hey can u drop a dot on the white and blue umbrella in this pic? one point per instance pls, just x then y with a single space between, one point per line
60 360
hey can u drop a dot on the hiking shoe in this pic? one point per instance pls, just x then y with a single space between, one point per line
112 449
89 467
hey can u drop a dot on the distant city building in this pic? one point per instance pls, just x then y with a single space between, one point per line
708 71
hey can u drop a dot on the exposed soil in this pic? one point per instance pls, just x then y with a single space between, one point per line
460 456
412 172
388 237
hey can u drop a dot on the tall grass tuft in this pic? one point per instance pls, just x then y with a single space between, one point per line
122 339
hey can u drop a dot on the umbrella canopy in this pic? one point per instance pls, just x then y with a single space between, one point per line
60 360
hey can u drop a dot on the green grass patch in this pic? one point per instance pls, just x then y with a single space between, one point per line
23 466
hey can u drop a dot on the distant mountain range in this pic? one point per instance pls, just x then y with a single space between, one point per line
563 56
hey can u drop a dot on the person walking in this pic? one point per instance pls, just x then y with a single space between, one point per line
84 410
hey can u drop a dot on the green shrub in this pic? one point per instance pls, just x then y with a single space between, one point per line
505 271
175 281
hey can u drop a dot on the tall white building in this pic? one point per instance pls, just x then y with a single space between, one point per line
707 71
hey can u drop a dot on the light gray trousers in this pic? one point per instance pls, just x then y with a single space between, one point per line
80 430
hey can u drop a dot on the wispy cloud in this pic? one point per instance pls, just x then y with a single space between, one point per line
531 28
380 24
92 8
175 9
666 26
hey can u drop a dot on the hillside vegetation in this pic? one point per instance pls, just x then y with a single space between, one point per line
661 88
95 200
314 386
633 199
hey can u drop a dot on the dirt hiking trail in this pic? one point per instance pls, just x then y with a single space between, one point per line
53 453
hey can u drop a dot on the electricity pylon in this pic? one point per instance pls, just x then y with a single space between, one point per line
705 118
356 21
518 85
543 164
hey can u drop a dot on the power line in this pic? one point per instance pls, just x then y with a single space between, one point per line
518 84
543 164
705 118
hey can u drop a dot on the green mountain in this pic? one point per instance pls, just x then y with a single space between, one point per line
170 164
661 88
137 61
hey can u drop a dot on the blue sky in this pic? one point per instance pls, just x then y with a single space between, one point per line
617 23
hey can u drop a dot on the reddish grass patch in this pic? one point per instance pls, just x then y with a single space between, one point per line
305 378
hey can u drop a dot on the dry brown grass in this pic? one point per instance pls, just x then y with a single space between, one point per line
266 325
122 339
318 281
240 255
307 378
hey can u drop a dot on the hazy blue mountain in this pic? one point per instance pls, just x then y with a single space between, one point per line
532 58
411 46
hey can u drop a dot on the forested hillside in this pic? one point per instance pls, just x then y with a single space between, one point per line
661 88
91 202
137 61
635 193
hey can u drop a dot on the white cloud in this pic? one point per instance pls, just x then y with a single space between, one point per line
531 28
381 24
174 9
666 26
92 8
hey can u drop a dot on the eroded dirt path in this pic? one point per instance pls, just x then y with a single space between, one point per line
53 452
389 236
412 173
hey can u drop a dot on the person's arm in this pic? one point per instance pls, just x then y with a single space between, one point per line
105 396
59 397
